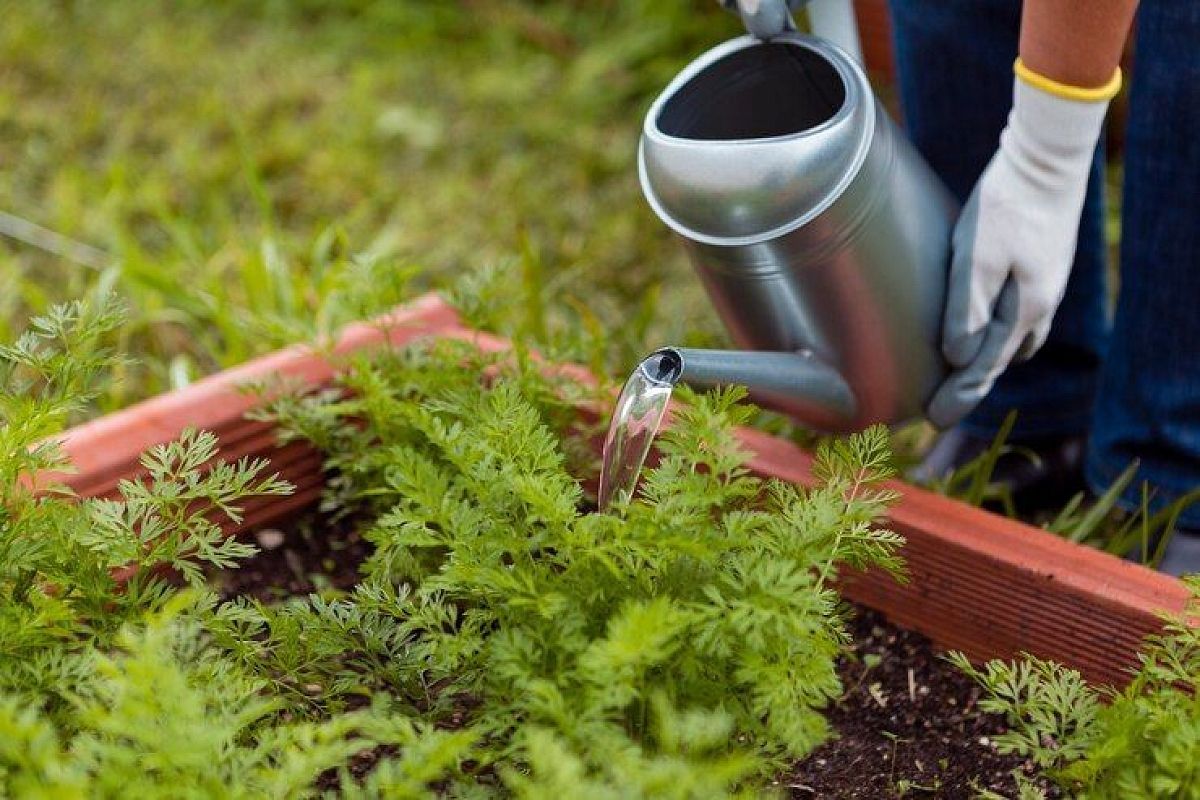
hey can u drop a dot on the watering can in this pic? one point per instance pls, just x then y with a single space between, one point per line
821 236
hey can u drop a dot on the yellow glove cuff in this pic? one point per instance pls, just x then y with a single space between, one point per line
1066 91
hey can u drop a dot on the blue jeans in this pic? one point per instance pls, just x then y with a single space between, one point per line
1132 385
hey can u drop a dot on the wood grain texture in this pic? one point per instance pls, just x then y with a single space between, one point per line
994 587
979 582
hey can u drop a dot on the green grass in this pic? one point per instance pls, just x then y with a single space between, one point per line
245 164
1142 533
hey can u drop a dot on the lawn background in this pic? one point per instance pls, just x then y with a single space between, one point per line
260 171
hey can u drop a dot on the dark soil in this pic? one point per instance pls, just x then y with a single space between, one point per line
908 725
313 555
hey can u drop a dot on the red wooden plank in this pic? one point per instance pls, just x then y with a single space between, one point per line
994 587
108 448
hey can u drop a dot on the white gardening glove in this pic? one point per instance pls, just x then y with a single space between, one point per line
1014 243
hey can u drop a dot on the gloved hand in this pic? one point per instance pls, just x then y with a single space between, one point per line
1015 241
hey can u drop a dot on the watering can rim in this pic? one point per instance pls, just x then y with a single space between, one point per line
858 100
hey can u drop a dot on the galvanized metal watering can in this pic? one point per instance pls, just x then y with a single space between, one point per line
820 234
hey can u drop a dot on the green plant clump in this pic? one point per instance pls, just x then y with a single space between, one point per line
109 686
682 646
1139 742
501 640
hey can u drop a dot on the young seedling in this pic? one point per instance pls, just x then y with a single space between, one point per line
1139 741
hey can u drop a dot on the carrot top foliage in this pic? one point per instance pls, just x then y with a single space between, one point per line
502 639
1140 741
682 646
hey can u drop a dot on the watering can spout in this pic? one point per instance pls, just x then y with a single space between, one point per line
798 383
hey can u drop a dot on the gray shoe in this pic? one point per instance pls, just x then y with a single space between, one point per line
1183 553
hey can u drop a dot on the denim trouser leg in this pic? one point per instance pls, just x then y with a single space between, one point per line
954 59
1148 406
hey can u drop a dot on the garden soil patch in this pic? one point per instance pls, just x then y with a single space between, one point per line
908 725
312 556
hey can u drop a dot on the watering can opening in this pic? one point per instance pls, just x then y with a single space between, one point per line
764 91
754 139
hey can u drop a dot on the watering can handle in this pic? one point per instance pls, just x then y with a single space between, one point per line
830 19
765 19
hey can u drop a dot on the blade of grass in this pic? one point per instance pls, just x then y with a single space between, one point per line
1080 527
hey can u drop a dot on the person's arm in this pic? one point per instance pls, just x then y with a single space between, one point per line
1015 239
1075 42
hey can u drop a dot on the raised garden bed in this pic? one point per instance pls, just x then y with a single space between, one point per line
979 583
989 586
